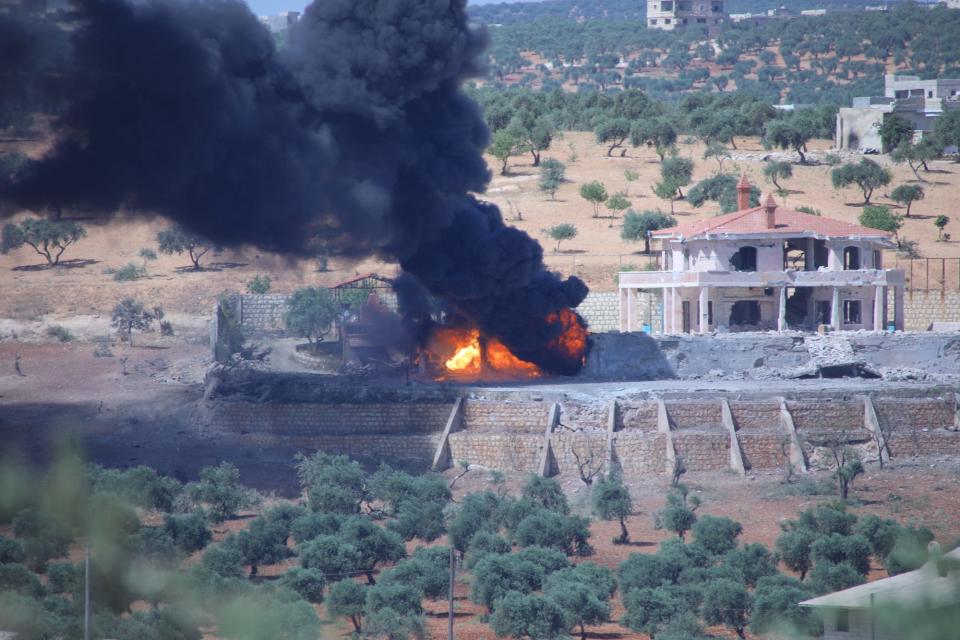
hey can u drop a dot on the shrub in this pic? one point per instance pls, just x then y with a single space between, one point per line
427 571
220 490
549 560
311 314
330 554
837 549
10 550
827 577
263 542
611 501
17 578
60 332
129 273
259 284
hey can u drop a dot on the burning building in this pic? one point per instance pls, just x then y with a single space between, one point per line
354 140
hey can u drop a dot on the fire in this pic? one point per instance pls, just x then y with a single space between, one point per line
572 341
463 353
467 356
500 359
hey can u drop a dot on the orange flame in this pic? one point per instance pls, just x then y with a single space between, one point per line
467 356
500 359
573 339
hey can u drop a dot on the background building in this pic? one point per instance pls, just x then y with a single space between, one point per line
669 15
920 102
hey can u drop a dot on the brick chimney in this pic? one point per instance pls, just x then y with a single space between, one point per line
769 212
743 193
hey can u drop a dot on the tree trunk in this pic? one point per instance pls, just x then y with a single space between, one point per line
370 579
610 150
646 244
733 142
583 632
624 534
503 167
867 194
803 158
355 619
253 570
536 157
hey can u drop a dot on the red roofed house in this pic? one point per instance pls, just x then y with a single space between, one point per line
766 268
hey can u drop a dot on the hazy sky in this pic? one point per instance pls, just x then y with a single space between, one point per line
273 7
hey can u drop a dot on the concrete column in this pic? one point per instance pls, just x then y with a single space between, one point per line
704 309
622 309
808 259
835 258
630 297
442 458
669 317
898 307
782 315
878 298
835 316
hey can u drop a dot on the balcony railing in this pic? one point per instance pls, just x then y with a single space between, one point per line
762 279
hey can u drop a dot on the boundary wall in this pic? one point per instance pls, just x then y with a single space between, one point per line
529 431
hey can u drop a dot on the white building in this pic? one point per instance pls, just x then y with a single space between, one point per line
669 15
920 102
864 612
766 268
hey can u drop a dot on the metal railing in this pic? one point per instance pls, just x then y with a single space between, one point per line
930 274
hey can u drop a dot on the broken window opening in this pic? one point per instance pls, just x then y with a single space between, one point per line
745 259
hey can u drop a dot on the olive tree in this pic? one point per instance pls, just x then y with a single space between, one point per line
311 314
178 240
611 501
561 232
866 174
596 194
907 194
49 238
130 315
637 226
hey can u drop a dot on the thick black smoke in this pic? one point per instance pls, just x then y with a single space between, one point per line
356 137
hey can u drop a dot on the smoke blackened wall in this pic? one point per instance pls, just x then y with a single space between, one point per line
355 140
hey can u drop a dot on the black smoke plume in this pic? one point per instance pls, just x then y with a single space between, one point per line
355 138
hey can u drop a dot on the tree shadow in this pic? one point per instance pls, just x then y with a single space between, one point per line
64 264
568 252
639 544
212 267
938 171
445 614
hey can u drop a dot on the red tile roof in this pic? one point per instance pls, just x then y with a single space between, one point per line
754 221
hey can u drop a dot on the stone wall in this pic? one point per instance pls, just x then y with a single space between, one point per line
637 416
920 413
924 307
518 453
703 450
583 448
373 448
694 415
827 415
764 449
506 416
750 416
330 419
640 454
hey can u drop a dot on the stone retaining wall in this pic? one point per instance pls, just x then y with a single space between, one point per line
637 416
703 450
749 416
331 419
764 449
694 415
589 448
826 415
374 448
907 414
506 416
518 453
640 454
